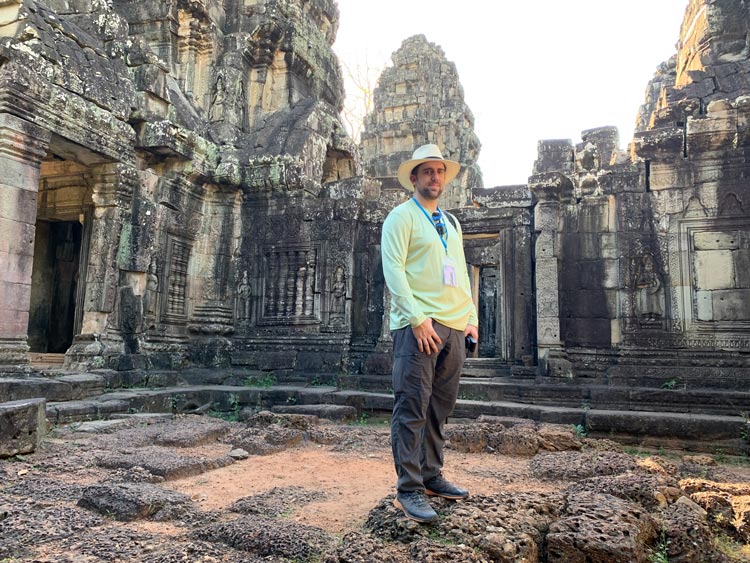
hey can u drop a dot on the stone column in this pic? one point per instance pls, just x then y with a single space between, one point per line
113 186
548 190
22 147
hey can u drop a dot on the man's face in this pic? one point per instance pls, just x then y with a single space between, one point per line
429 180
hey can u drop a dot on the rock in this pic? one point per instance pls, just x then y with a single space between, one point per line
643 489
699 460
564 466
276 501
692 505
22 426
269 538
159 461
131 501
238 453
597 528
337 413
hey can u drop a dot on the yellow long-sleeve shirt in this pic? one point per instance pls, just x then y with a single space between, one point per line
413 263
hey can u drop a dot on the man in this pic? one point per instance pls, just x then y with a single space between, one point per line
431 314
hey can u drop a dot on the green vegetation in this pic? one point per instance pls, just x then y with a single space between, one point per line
670 384
266 380
733 549
659 553
233 414
580 430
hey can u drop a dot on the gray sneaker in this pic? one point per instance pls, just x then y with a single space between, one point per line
440 487
415 506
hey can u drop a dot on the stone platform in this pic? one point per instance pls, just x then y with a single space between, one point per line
691 419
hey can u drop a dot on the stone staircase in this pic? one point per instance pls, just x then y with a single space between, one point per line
684 418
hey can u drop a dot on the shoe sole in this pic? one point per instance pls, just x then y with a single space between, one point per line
400 506
430 493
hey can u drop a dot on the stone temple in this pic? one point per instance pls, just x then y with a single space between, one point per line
177 191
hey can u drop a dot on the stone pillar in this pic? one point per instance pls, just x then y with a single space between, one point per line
549 189
22 147
112 195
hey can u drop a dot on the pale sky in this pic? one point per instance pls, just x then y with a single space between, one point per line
530 69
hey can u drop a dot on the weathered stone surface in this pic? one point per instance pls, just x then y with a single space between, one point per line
131 501
600 528
160 461
276 501
23 425
267 537
580 465
339 413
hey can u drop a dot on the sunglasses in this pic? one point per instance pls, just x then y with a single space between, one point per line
437 218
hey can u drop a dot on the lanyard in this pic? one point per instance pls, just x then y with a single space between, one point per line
443 241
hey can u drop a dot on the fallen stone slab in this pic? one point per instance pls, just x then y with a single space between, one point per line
23 424
99 426
339 413
132 501
160 461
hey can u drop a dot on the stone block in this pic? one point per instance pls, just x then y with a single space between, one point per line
15 324
14 296
17 204
275 360
608 246
731 305
548 331
22 426
587 332
594 218
611 278
742 268
16 236
716 240
16 268
714 269
704 304
319 362
545 246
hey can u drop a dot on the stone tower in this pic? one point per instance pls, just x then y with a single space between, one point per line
420 100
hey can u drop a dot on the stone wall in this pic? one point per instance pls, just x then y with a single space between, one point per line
650 247
179 190
196 149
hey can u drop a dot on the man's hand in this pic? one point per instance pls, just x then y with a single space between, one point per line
427 338
471 330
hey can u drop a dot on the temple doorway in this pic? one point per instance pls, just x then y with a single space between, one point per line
57 253
64 216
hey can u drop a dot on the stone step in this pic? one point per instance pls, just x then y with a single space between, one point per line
578 395
697 431
68 387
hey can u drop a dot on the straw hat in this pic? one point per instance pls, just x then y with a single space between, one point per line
426 153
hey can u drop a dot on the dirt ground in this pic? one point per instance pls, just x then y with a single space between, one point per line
353 483
323 494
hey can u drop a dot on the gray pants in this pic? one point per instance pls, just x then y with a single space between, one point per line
425 390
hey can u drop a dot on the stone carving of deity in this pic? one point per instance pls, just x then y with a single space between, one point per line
152 290
244 293
649 293
338 295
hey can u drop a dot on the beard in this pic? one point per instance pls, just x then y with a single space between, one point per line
430 192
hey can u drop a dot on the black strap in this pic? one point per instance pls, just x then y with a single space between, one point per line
452 220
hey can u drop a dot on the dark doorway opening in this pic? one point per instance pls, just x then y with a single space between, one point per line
57 253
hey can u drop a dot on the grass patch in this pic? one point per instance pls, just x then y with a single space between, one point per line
266 380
